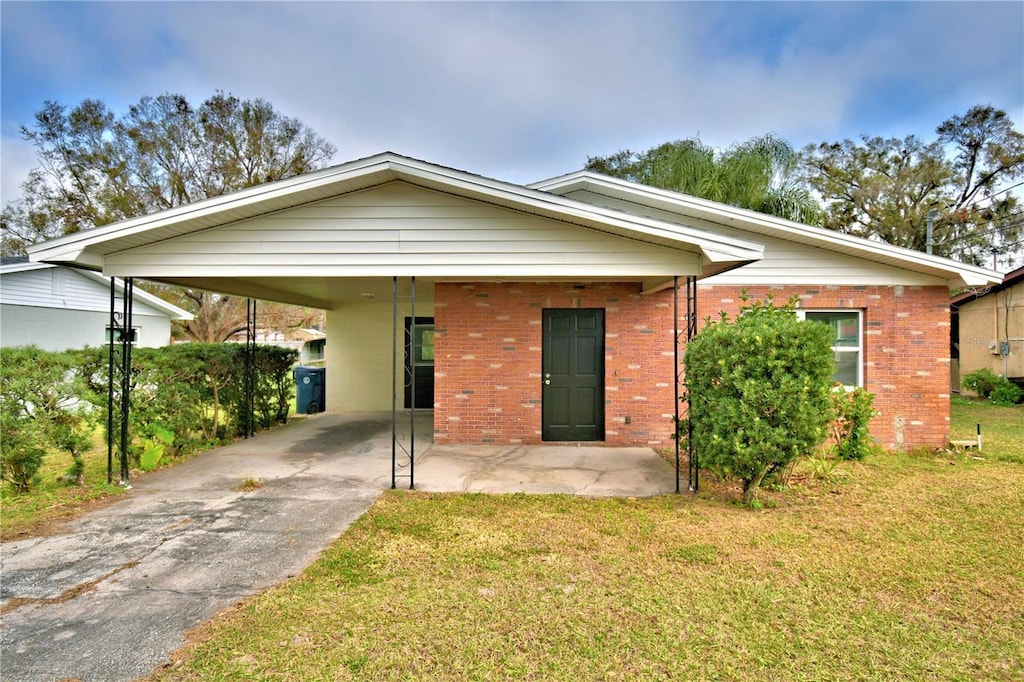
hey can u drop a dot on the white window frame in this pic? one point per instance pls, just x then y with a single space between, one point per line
110 332
859 349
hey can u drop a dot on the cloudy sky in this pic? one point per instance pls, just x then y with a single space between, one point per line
522 91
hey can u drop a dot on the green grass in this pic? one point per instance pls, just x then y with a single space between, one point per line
51 500
905 567
1002 428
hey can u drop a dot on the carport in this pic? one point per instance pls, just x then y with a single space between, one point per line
372 242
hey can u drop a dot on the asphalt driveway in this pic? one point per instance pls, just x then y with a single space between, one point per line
115 593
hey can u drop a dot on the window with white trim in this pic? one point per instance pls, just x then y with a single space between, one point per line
847 344
117 337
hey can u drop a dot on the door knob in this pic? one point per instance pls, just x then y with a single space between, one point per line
547 382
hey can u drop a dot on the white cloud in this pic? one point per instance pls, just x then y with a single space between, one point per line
522 91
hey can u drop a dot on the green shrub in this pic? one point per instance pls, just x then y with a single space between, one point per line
1006 393
274 387
982 382
22 451
42 410
760 391
72 432
183 397
988 384
850 428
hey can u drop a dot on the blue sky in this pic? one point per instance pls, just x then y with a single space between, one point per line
524 91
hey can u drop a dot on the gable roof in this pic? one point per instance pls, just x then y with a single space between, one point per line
88 249
606 207
1012 278
584 184
10 266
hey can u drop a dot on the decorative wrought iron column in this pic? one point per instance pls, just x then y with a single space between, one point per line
409 379
119 380
676 370
693 471
691 331
250 367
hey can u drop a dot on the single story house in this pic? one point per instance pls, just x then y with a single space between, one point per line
56 307
988 329
545 312
309 343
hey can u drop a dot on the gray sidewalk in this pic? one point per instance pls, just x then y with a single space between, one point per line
115 593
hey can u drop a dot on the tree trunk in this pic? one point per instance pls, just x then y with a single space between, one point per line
752 485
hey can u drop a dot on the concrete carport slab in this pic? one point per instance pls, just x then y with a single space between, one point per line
567 469
114 594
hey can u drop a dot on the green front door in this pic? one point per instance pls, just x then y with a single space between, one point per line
573 375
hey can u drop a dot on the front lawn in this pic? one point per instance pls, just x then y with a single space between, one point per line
902 567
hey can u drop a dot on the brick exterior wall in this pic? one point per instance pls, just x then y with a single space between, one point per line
487 365
488 357
906 350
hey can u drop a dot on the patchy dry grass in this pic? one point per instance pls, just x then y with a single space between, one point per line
902 568
250 483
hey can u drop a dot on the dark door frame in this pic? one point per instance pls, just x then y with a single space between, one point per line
584 374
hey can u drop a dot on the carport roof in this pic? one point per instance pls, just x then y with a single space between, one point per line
88 249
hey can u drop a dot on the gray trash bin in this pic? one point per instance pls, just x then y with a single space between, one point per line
310 389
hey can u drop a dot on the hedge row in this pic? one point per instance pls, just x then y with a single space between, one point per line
184 397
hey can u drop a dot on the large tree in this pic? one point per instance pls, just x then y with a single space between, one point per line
96 167
885 188
759 174
224 316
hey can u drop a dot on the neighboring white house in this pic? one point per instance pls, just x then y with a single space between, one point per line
56 307
309 343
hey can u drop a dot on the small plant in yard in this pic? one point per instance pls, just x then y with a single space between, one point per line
850 428
824 468
250 483
154 447
759 391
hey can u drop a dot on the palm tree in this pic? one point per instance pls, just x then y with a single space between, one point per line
759 174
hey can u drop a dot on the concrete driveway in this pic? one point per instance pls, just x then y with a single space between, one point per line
115 593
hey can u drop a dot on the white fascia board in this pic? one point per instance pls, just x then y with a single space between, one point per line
956 273
379 169
23 267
